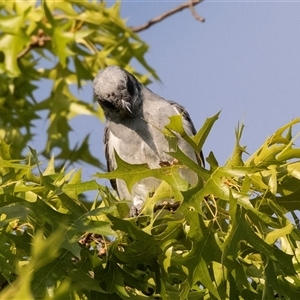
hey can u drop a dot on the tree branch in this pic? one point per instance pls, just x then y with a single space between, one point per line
194 12
38 40
189 4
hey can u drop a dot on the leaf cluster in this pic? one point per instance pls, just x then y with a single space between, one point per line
62 44
235 235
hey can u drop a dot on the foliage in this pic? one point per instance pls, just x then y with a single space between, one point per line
232 237
235 235
63 43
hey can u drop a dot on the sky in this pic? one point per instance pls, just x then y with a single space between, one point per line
243 61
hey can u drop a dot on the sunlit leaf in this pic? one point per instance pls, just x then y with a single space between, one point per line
131 174
274 235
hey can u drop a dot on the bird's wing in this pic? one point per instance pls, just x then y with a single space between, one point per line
109 158
188 122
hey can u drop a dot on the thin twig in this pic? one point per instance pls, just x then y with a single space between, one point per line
189 4
38 40
194 12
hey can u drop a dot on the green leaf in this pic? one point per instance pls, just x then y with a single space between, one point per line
48 13
274 235
61 40
11 46
131 174
98 227
4 151
203 133
143 245
236 157
176 125
84 281
289 202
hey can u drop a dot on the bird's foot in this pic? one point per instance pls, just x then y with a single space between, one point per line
137 206
171 206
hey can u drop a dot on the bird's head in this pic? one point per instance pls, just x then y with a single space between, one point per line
118 92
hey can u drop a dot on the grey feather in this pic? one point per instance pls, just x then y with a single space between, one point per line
135 117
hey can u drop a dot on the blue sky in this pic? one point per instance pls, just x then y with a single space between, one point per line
244 60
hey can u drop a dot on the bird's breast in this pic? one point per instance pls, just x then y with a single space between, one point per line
138 146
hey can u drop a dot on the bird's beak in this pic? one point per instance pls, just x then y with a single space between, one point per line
127 106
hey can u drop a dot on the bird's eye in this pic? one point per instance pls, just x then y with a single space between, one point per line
106 104
130 87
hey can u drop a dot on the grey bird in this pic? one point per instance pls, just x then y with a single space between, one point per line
135 118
